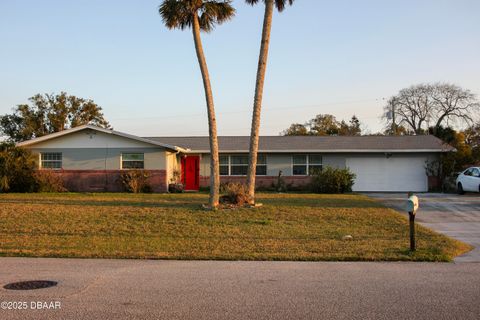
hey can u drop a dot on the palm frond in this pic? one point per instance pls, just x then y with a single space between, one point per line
178 14
279 4
215 12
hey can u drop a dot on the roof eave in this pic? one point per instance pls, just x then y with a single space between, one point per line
333 151
107 131
51 136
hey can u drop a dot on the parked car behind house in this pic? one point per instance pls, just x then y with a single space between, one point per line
469 180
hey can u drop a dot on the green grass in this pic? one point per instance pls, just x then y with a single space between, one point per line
162 226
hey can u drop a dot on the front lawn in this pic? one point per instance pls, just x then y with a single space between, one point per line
163 226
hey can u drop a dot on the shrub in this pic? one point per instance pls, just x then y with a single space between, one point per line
176 176
234 193
136 181
281 186
17 166
332 180
147 188
48 181
175 185
449 183
204 189
175 188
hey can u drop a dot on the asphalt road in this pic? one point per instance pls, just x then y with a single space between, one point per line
143 289
457 216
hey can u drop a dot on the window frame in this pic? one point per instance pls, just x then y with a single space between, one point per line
41 160
303 164
475 173
224 165
262 165
122 160
230 164
307 163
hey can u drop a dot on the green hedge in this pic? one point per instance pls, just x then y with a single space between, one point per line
17 167
332 180
18 172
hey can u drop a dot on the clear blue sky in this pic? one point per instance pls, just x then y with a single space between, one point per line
338 57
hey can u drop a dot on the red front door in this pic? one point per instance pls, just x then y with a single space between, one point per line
191 172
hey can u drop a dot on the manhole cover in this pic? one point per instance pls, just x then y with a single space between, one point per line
30 285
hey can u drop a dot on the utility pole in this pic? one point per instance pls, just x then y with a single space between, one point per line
394 126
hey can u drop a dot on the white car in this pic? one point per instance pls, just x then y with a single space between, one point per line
469 180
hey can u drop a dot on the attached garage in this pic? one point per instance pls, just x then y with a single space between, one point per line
390 174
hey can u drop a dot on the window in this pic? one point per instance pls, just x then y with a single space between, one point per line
261 165
237 165
475 173
224 165
51 160
133 161
300 165
304 165
314 163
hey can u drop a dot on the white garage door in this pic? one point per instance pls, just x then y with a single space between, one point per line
392 174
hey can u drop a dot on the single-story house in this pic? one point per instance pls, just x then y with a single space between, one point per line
90 158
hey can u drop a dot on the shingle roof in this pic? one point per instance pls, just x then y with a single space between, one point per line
314 143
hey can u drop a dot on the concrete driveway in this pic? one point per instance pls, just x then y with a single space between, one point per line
141 289
453 215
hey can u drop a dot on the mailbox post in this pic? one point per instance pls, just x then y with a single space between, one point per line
412 207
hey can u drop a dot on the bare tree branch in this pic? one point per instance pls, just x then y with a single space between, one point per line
441 103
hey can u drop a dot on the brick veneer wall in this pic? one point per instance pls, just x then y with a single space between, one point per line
106 180
434 183
260 181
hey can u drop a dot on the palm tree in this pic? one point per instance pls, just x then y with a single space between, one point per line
201 15
257 105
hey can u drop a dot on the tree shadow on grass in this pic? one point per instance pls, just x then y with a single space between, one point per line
113 203
195 203
321 203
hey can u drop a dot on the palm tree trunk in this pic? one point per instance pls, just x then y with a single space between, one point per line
257 105
212 122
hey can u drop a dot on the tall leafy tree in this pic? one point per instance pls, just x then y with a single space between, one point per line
270 5
352 128
50 113
472 138
201 15
296 129
453 161
325 125
472 135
